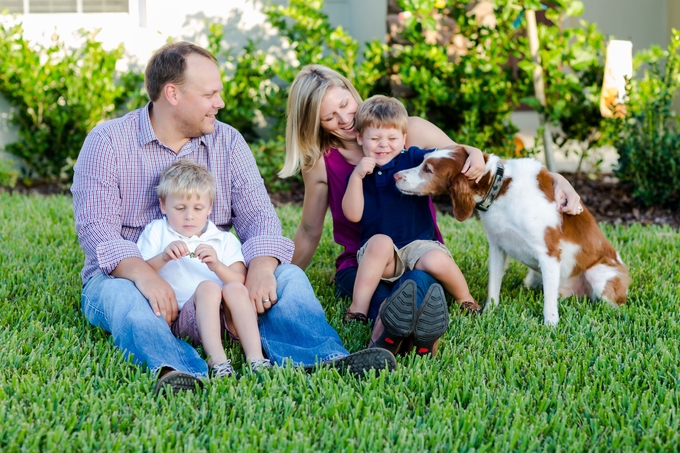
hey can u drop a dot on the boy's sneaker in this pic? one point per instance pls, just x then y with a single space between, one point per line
360 363
398 316
259 365
222 370
432 320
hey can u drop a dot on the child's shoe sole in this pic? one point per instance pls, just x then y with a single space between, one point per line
176 381
398 317
432 320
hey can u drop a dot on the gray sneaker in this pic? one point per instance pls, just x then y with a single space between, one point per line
222 370
176 381
259 365
359 363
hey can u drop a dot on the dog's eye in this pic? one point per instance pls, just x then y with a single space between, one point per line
427 169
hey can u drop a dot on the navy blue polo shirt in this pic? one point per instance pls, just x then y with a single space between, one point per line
404 218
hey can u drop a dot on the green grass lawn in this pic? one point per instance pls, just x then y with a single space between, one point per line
601 381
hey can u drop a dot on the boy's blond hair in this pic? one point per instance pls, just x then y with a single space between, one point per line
382 112
185 178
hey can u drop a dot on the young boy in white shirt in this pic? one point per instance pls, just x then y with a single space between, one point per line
204 266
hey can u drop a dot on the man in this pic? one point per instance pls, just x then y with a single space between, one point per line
114 198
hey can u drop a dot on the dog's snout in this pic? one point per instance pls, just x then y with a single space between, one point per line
397 177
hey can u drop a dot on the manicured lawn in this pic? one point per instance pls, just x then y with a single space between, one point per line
601 381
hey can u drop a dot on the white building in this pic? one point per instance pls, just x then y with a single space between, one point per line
144 25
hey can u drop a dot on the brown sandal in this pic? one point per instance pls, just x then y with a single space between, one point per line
349 316
470 307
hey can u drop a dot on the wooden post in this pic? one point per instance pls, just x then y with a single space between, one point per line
539 87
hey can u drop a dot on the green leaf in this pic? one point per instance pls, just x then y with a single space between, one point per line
575 8
429 23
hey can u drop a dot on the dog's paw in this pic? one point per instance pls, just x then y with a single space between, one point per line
551 320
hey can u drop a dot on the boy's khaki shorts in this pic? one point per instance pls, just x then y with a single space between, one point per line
407 256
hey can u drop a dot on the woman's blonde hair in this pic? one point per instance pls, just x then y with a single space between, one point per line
185 178
306 140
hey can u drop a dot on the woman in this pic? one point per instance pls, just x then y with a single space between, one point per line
320 141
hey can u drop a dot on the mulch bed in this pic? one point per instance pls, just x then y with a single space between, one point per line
607 199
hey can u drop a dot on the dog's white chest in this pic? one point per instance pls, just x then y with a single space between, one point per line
517 221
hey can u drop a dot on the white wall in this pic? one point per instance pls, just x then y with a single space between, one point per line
644 22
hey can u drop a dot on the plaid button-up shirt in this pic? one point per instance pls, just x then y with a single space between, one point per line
114 191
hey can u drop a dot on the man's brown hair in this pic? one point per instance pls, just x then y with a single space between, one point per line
168 65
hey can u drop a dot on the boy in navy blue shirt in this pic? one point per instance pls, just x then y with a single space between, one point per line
397 230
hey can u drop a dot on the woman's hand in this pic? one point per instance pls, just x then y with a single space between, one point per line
474 165
568 201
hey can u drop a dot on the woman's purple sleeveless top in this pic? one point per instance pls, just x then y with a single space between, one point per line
346 233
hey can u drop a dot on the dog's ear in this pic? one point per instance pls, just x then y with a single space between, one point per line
462 197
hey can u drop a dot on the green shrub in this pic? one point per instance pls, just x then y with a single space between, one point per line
572 60
468 90
312 39
648 139
8 175
58 95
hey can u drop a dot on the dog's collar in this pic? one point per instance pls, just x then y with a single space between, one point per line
493 191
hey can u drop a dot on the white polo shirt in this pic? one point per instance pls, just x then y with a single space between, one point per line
186 273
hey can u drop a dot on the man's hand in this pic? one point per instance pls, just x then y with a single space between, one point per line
261 282
157 291
160 295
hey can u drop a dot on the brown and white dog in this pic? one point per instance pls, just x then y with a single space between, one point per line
568 254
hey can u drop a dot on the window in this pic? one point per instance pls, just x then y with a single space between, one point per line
13 6
105 6
64 6
52 6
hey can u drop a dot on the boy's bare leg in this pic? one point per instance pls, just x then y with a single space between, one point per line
378 262
439 265
241 314
208 298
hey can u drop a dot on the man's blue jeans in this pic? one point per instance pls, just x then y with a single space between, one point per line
295 328
344 287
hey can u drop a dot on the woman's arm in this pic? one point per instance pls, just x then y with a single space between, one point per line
314 208
423 134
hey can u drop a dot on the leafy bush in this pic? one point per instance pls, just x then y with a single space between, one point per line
648 139
8 175
449 66
310 36
572 60
312 40
56 105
